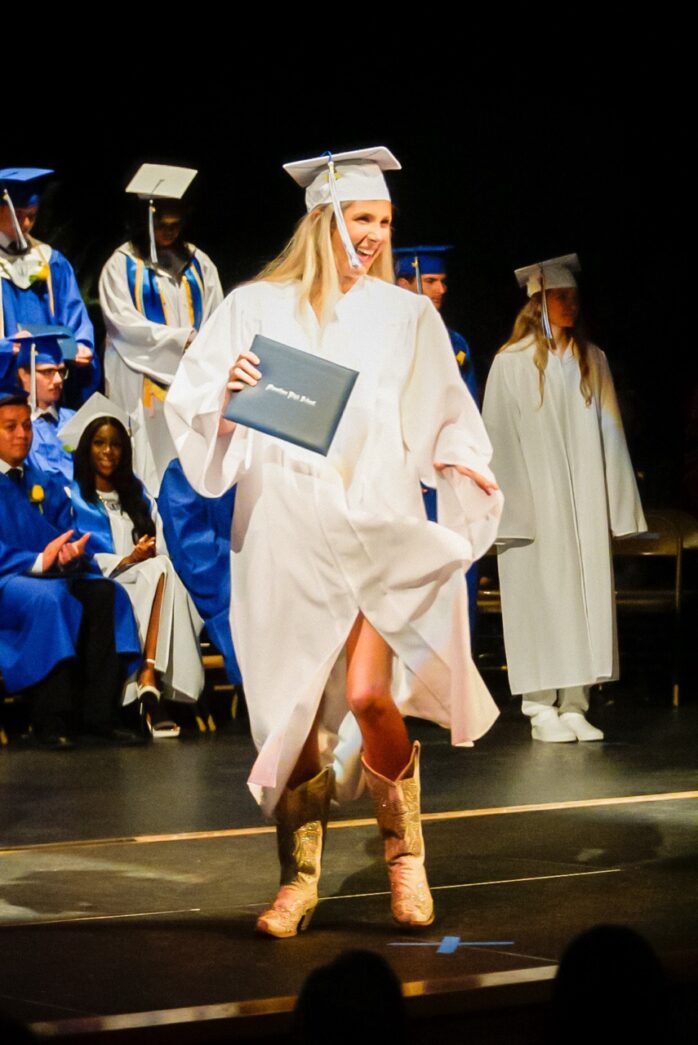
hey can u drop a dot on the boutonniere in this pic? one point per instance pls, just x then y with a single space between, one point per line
41 274
36 496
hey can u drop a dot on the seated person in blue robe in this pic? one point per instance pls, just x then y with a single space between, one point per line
68 638
423 271
48 416
37 283
197 532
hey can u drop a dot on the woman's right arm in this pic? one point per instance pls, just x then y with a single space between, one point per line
212 459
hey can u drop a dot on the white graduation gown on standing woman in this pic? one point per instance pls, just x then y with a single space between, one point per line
316 540
138 349
568 484
177 655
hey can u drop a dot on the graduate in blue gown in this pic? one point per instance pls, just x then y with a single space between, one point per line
43 379
37 283
423 271
64 631
197 532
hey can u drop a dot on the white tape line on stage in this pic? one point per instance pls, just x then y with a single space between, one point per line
475 885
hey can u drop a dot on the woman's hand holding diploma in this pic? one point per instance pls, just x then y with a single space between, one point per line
243 372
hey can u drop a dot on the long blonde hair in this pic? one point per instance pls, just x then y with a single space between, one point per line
308 257
528 326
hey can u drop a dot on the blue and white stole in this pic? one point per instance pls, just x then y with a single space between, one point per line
146 293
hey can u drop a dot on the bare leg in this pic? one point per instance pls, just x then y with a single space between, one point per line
146 676
386 744
387 748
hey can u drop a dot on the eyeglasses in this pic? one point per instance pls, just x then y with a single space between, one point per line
53 371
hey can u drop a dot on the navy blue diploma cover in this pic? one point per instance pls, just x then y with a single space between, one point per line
300 397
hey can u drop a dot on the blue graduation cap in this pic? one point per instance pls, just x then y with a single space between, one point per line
411 262
64 337
20 187
46 344
22 184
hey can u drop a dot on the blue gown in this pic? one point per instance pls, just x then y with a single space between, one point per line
33 305
47 453
197 532
461 350
39 617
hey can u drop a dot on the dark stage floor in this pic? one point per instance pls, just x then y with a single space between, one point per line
129 880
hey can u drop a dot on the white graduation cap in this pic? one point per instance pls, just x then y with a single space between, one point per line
549 275
96 406
343 177
159 181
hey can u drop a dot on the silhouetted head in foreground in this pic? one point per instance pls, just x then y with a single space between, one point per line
356 998
611 987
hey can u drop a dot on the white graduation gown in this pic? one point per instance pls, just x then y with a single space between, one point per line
568 484
177 655
317 539
137 348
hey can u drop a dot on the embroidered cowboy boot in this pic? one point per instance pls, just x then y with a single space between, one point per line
301 822
397 809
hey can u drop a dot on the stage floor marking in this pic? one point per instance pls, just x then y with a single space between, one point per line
78 919
208 911
474 885
339 825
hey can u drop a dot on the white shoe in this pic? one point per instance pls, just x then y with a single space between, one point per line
582 729
547 726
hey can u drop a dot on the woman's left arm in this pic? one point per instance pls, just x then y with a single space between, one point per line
444 432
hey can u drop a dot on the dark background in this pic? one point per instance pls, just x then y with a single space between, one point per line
513 152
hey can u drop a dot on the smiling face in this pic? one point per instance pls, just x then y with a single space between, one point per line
563 306
15 433
368 225
106 451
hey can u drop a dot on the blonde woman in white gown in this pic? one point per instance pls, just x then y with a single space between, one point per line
348 608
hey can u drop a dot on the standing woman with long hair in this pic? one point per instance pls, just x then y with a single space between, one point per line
110 502
348 609
561 458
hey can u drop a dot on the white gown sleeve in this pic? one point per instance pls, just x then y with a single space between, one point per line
442 425
501 413
624 507
212 463
153 349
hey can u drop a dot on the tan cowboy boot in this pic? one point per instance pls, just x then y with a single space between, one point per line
396 804
301 820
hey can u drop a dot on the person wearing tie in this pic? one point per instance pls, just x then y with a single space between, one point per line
68 638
